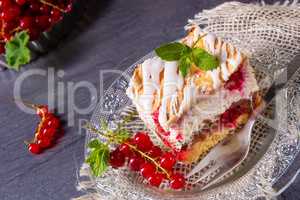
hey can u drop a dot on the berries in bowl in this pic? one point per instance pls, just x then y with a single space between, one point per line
24 25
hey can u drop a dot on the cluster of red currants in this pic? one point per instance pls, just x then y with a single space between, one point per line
48 131
34 16
152 163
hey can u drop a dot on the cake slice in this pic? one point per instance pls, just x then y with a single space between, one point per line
192 113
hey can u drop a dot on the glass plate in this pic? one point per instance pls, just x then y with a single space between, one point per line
284 141
275 137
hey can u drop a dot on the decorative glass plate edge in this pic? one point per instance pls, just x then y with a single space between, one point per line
258 181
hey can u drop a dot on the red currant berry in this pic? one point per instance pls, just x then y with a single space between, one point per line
21 2
135 163
125 149
2 48
10 13
147 170
26 22
55 15
43 22
167 161
45 9
143 141
42 111
69 8
34 7
52 121
45 142
34 148
6 37
177 181
116 159
9 26
46 132
34 33
131 141
156 179
155 152
5 4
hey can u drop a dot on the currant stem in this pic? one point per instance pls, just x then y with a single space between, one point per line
15 30
109 137
38 129
193 46
52 5
2 28
149 158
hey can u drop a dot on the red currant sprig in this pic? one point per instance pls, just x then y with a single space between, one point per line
47 131
138 152
149 160
47 3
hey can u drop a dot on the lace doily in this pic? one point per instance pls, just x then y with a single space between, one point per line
270 34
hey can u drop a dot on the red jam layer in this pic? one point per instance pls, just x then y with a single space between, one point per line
229 117
159 129
182 155
236 80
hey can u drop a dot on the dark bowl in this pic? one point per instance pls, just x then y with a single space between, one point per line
50 39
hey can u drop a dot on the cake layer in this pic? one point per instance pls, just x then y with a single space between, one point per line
208 108
176 107
229 123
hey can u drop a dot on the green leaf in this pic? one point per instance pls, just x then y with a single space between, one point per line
184 65
204 60
98 157
172 51
17 52
94 144
187 56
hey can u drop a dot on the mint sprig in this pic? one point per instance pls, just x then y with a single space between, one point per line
98 157
204 60
187 56
171 51
185 63
17 52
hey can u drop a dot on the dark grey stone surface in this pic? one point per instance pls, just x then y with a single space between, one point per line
112 35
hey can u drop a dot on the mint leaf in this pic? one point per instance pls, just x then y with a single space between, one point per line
204 60
184 65
98 157
187 56
94 144
172 51
16 51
